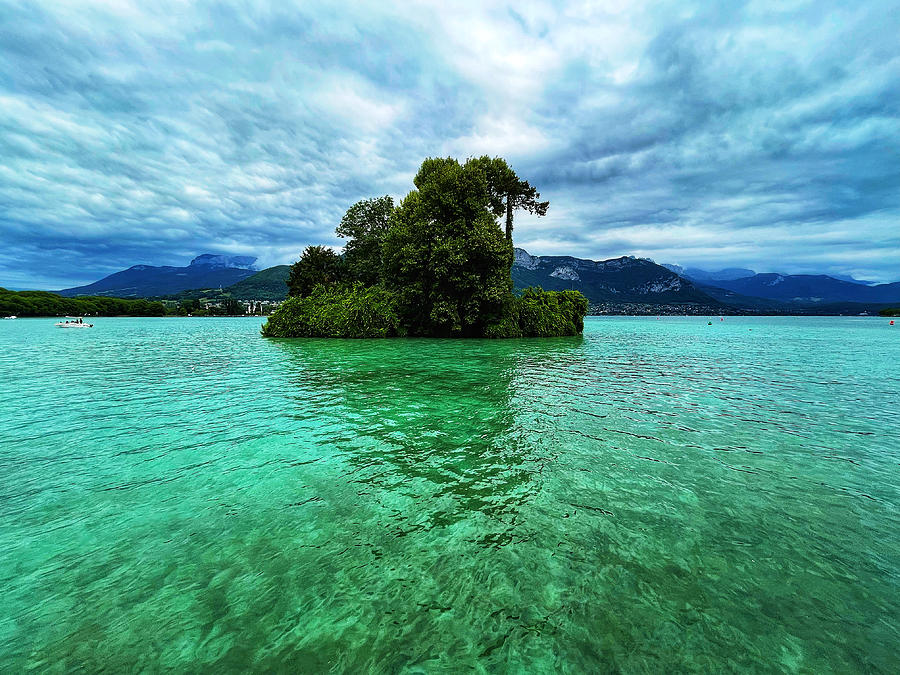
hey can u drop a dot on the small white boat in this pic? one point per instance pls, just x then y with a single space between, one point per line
74 322
11 317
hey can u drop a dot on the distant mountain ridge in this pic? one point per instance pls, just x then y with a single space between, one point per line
810 289
735 273
696 274
619 280
142 281
237 262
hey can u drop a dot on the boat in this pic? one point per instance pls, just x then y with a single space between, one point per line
11 317
74 322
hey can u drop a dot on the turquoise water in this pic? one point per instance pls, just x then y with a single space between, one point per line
657 496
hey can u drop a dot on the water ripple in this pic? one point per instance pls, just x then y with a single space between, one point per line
656 496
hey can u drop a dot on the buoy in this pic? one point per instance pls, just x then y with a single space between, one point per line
709 323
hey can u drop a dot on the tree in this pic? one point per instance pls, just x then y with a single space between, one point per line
188 307
232 307
521 195
444 256
42 303
364 227
318 265
507 191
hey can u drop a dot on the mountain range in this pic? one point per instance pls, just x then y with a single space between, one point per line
809 289
619 280
703 275
735 273
626 279
142 281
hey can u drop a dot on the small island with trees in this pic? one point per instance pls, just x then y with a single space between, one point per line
436 265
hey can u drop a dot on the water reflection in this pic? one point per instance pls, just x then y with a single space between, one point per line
436 421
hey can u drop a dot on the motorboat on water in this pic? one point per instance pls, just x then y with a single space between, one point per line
11 317
74 322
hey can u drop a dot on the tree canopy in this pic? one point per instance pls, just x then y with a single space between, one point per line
508 192
317 265
444 254
364 226
436 264
44 303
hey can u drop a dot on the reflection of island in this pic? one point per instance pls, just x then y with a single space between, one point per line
432 425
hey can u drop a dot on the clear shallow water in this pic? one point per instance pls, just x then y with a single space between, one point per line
655 496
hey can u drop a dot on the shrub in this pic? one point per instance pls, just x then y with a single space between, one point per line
550 313
337 312
361 312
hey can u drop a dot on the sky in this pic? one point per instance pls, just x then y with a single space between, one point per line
711 134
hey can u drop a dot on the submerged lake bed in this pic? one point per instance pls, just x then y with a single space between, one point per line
656 495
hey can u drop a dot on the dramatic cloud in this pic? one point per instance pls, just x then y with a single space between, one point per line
759 134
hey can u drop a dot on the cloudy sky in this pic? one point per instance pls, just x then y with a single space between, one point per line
758 134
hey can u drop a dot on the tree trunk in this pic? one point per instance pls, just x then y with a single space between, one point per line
509 217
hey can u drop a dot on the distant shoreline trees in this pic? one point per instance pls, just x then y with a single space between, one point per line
437 264
44 303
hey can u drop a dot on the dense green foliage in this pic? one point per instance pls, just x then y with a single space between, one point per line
551 313
353 311
435 265
364 226
444 255
317 265
43 303
890 311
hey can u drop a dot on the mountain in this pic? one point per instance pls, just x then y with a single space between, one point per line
236 262
844 277
810 289
620 280
142 281
733 299
734 273
270 284
696 274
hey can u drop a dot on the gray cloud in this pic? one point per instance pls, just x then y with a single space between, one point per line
764 135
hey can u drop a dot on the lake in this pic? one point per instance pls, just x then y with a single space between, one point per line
657 495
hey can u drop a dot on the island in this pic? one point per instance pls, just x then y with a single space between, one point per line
438 264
